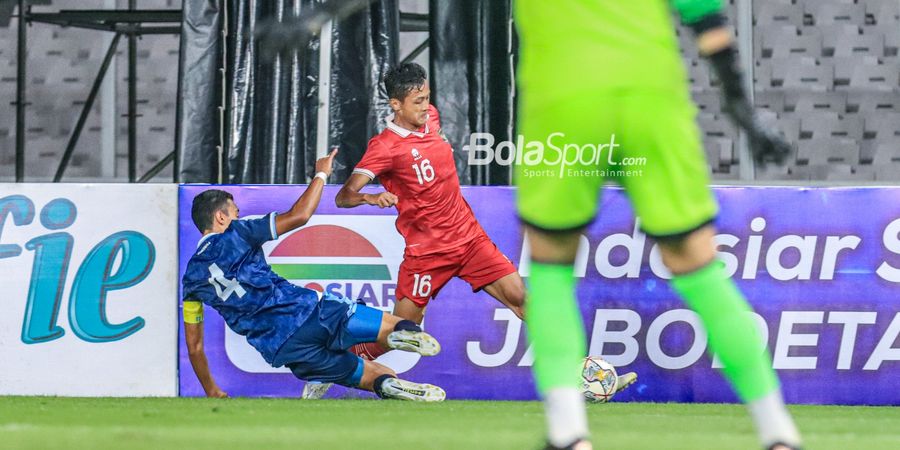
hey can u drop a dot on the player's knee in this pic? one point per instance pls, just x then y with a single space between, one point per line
689 252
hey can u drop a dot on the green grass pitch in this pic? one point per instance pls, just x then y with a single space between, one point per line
188 423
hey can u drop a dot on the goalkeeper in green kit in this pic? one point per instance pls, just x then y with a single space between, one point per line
603 86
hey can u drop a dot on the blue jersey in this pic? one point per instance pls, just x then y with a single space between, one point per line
229 272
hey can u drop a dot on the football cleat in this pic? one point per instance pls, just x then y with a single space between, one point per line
580 444
781 446
314 390
414 341
623 381
407 390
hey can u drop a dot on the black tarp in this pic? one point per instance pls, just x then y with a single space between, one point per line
200 94
364 47
472 45
270 124
269 128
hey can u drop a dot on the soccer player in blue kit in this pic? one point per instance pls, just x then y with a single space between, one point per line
289 325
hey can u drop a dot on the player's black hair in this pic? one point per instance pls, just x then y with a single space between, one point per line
403 78
205 206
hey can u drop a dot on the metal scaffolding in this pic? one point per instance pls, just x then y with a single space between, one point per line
131 23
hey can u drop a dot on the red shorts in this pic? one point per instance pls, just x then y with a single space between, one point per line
478 262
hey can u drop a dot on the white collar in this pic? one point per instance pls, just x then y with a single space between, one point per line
204 238
403 132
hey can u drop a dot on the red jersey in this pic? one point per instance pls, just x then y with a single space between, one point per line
418 167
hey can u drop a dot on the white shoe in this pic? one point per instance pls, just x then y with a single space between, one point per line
314 390
407 390
623 381
414 341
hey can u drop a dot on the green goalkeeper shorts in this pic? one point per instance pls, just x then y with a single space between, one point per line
644 139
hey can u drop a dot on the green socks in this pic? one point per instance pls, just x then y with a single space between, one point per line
733 335
555 328
557 333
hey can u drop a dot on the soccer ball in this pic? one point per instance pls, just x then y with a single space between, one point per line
598 380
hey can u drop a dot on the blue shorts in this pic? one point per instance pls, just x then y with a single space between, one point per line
317 351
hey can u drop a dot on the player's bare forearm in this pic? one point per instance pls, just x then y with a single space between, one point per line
347 199
193 336
350 197
302 210
306 205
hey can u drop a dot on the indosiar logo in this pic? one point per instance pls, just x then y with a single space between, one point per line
357 257
119 261
354 256
335 259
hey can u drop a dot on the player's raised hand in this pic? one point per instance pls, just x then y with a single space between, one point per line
281 37
326 163
767 144
384 200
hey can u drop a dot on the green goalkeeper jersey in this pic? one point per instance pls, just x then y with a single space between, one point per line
616 44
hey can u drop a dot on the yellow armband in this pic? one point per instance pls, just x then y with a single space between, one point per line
192 312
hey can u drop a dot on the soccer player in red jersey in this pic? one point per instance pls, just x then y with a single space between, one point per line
414 162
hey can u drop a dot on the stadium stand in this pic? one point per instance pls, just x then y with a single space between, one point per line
828 71
62 64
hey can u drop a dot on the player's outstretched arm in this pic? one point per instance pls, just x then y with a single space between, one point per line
193 336
350 197
715 42
306 205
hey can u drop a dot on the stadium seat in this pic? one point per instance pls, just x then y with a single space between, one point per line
779 67
828 151
801 73
687 44
844 66
791 47
868 102
790 175
765 37
716 127
779 13
719 153
699 77
789 124
878 78
762 76
830 12
883 126
831 34
886 160
856 175
882 11
890 32
870 147
827 125
773 172
817 78
772 100
829 172
888 173
708 101
863 45
803 101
